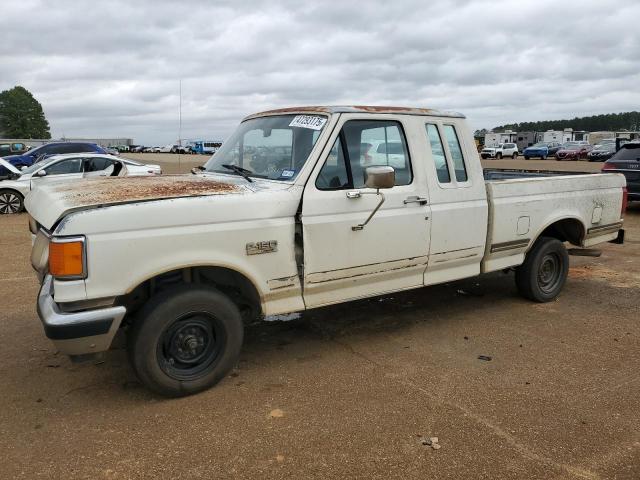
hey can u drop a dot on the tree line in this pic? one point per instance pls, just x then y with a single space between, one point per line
594 123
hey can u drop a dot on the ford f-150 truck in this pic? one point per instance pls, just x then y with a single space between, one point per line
293 213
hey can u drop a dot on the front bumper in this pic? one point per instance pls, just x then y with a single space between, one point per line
77 333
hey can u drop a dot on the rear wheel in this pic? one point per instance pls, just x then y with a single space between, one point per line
526 157
10 202
498 155
544 271
185 341
543 157
515 155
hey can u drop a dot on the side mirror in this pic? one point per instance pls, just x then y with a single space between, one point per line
23 168
41 173
379 177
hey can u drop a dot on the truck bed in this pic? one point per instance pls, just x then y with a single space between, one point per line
523 203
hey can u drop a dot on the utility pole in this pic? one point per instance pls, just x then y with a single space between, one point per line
180 127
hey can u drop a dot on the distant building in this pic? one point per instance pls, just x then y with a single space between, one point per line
597 137
526 139
494 139
554 136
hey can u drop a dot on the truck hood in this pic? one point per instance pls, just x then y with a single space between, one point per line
48 203
8 166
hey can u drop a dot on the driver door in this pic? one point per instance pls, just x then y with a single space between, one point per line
391 251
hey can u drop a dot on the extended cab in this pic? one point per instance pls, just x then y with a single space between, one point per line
299 208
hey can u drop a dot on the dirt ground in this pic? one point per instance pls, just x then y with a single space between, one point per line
351 391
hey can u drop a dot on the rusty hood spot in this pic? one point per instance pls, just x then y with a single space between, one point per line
112 190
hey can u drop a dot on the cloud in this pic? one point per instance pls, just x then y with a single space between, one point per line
113 68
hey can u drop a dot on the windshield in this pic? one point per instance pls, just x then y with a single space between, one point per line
274 147
540 145
35 166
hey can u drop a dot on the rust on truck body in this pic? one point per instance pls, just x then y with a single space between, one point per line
112 190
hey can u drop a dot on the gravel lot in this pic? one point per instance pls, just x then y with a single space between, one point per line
351 391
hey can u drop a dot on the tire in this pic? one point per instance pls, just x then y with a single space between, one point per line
185 340
498 155
543 157
514 156
526 157
11 202
544 271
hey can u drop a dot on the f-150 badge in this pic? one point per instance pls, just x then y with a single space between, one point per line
267 246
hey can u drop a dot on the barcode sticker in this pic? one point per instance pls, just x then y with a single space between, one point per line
308 121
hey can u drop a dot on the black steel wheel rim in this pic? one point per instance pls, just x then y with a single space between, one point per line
190 346
9 203
550 272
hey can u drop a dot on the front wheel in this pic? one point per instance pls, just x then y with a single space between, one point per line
498 155
514 156
10 202
544 271
185 341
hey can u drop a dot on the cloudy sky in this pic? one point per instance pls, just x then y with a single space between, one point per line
112 68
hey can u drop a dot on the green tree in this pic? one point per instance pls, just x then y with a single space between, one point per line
21 115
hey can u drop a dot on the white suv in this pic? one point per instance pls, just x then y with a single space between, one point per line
502 150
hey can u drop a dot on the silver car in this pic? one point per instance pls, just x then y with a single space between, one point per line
67 167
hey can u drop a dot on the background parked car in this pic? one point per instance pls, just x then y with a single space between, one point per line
167 148
574 151
502 150
136 148
16 148
602 152
31 156
627 162
64 168
540 149
553 148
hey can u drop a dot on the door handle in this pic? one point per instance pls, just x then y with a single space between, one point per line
416 199
354 194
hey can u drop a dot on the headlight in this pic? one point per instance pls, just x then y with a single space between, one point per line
67 258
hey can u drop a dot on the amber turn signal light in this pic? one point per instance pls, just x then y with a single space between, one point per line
66 259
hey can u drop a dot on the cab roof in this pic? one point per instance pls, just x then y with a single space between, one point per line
358 109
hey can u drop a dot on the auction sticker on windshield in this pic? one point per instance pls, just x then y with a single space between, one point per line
308 121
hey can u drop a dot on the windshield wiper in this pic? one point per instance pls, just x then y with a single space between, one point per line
244 172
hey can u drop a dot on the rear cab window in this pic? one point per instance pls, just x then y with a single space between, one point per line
449 159
437 152
460 168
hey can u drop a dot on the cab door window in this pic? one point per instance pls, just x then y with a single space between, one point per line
361 144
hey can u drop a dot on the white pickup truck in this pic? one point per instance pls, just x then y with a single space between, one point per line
294 213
